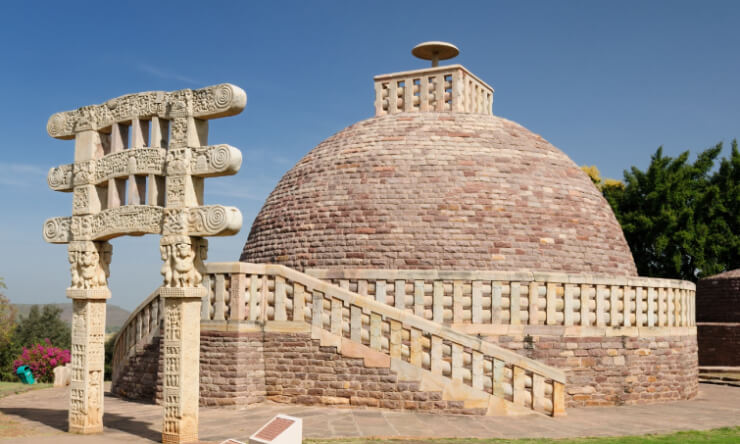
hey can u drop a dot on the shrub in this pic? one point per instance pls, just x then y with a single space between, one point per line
42 359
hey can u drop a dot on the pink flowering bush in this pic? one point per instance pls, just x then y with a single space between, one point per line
42 359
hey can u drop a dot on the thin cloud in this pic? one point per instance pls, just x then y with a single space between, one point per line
152 70
21 174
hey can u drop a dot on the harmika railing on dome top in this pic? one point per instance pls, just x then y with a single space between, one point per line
443 88
503 298
264 293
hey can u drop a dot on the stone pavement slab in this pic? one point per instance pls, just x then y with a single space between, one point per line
42 414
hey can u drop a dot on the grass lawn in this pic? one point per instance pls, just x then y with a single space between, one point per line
11 388
725 435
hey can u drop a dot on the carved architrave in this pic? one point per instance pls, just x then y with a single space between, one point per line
207 220
207 103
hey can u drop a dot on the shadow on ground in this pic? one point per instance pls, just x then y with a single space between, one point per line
57 418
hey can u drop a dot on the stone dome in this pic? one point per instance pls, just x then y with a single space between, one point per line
438 190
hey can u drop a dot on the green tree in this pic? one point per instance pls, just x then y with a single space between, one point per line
7 327
42 324
726 220
680 219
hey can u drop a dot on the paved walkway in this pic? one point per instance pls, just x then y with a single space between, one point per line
43 414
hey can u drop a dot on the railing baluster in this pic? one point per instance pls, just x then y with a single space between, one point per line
317 310
336 317
438 302
476 374
515 303
419 298
585 302
613 306
600 306
280 314
205 301
538 392
457 302
399 301
498 378
355 324
415 348
380 291
254 281
551 308
299 302
558 399
395 339
219 302
534 309
456 361
435 355
568 305
496 291
375 330
626 306
518 385
476 302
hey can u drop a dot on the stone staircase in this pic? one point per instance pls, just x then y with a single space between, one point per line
459 372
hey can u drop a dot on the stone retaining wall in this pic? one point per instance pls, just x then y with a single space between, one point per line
140 378
719 344
239 368
298 370
616 370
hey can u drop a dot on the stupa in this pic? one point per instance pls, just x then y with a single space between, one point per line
436 257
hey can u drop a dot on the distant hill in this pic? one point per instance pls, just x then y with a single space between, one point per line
114 319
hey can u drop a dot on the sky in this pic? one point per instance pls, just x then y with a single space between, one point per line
606 82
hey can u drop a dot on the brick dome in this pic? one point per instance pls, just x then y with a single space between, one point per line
438 190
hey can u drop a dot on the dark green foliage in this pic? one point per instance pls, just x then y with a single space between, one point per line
42 324
109 357
680 219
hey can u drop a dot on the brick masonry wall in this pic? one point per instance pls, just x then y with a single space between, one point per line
718 299
438 191
232 368
239 369
140 377
616 370
719 344
298 370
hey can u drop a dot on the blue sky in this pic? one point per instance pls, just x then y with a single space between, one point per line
606 82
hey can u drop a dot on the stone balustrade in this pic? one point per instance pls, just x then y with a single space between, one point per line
487 299
276 295
446 88
144 323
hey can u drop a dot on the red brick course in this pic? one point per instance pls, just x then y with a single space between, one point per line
438 191
718 298
616 370
719 344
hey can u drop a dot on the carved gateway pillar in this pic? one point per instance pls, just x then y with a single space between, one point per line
89 268
140 163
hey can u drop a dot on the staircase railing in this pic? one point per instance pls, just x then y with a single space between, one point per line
266 293
142 325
